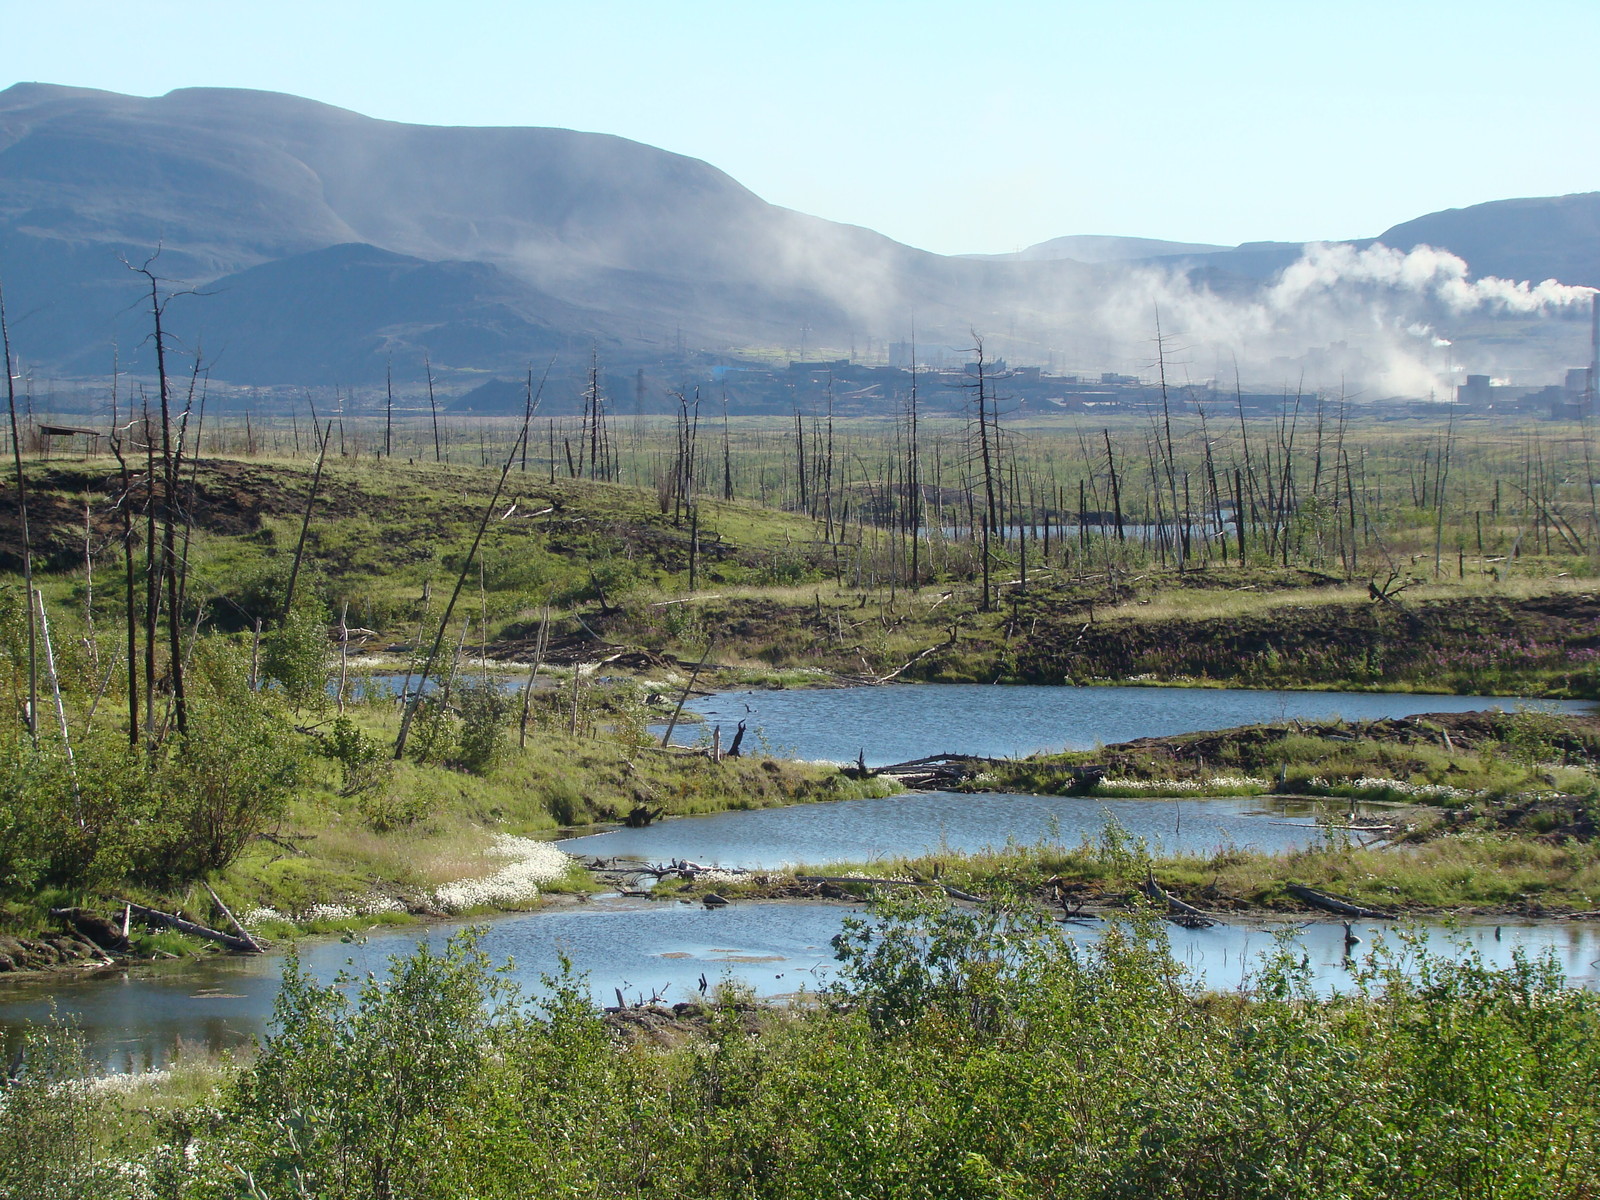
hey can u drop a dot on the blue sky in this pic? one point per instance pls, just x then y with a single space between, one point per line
951 126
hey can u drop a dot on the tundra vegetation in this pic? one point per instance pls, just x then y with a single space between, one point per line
189 633
963 1053
191 679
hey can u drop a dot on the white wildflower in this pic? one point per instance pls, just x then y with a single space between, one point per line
533 864
327 912
719 876
123 1084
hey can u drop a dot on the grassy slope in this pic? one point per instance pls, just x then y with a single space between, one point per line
607 558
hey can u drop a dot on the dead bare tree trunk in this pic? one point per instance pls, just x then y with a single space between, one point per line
305 524
527 690
433 408
687 688
22 516
461 580
28 546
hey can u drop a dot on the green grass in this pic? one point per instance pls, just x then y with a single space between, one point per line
328 853
1456 873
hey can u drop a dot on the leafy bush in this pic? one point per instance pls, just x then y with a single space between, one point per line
295 653
359 1096
364 763
917 956
483 707
48 1122
110 813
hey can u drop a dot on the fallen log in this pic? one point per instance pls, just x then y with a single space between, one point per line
234 921
956 893
935 771
949 889
155 916
1333 904
1175 907
941 770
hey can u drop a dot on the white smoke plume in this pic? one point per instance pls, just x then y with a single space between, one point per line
1340 314
1423 271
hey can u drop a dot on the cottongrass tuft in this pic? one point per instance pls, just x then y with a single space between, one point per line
1369 787
126 1083
328 912
717 875
533 864
369 905
1217 785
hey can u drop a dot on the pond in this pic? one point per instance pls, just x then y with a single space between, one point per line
897 723
135 1020
138 1020
918 823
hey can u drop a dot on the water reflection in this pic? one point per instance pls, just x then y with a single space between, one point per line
137 1021
921 823
902 722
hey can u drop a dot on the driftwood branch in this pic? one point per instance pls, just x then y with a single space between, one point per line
153 916
949 889
1333 904
872 680
1175 907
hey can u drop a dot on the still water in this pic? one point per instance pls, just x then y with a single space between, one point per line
898 723
920 823
137 1022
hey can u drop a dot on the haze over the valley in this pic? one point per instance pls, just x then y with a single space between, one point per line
328 245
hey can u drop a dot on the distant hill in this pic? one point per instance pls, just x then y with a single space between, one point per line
574 236
1096 248
326 247
1551 237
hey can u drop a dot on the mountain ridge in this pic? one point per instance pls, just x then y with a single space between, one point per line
501 242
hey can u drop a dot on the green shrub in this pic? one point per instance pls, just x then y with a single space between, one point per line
365 764
295 653
49 1119
483 707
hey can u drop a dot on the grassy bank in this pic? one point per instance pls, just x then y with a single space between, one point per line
1448 759
362 838
1481 875
1484 812
426 826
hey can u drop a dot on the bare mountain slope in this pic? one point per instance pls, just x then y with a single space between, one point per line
603 237
1545 237
328 244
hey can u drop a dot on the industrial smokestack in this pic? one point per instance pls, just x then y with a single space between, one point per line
1594 355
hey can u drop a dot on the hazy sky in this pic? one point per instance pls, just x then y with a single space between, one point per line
951 126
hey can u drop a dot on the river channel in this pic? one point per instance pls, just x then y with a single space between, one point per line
137 1019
